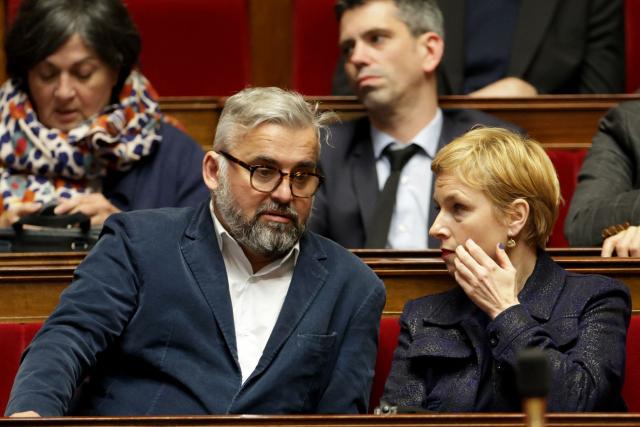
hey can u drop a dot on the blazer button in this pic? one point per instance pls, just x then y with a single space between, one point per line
493 339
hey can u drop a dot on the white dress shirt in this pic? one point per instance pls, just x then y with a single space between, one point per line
410 219
256 298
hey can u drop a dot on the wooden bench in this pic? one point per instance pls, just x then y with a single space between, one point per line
30 284
566 122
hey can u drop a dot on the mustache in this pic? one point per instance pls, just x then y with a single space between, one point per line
272 207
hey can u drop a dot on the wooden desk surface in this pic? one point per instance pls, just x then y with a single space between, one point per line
30 284
433 420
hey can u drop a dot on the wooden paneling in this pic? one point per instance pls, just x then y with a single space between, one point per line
556 121
427 420
270 42
30 284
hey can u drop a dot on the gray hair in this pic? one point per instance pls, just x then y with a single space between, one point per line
420 16
253 107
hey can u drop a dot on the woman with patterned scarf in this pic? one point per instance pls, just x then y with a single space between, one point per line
79 127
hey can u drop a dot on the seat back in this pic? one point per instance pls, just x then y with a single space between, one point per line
314 44
388 340
14 338
567 164
193 47
190 47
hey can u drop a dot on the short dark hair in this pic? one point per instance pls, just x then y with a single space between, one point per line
42 26
420 16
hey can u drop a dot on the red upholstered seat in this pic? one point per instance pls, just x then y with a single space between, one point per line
14 338
190 47
567 164
314 43
389 332
194 47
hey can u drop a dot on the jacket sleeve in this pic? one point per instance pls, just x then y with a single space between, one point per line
586 355
350 384
405 387
603 65
92 313
606 193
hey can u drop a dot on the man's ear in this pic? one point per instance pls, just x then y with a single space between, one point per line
517 216
211 169
432 46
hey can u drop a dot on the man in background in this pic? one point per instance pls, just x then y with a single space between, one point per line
378 187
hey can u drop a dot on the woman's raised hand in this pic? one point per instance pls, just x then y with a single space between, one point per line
491 285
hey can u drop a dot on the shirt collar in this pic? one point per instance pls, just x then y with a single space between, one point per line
427 138
226 241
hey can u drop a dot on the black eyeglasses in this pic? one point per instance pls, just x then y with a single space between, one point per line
267 178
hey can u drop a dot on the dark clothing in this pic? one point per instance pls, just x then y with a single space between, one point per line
558 46
344 204
170 177
608 191
149 319
452 358
488 31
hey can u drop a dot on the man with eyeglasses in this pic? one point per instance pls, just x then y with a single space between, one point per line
229 308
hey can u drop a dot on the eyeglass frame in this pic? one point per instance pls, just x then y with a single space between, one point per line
253 168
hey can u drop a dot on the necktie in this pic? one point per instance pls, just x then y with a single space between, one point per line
378 231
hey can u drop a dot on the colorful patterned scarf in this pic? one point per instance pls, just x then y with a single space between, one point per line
38 164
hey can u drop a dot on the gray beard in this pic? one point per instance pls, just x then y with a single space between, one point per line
271 240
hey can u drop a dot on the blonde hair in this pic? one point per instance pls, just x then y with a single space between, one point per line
506 166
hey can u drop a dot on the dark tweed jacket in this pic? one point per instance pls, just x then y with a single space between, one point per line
451 357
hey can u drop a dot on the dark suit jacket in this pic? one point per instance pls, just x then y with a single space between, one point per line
149 318
559 46
608 190
343 207
452 358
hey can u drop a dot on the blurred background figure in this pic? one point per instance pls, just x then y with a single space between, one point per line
378 181
607 199
498 197
79 126
522 48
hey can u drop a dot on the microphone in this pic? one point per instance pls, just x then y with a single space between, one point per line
533 378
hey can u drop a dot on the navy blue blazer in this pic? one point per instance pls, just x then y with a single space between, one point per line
148 319
344 204
452 358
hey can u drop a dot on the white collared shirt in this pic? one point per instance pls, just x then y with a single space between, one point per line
410 220
256 298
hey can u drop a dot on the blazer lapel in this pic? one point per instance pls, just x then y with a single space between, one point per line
534 18
202 253
452 66
363 172
309 276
